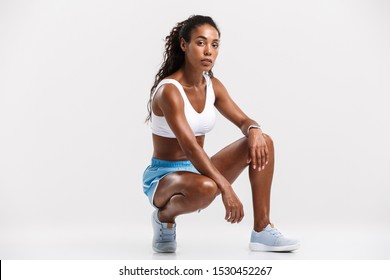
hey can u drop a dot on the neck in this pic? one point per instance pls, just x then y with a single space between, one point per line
191 77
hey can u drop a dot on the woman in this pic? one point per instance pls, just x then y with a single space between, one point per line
182 178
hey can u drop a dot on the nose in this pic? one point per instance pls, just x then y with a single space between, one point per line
207 50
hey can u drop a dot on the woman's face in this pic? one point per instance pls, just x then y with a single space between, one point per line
202 50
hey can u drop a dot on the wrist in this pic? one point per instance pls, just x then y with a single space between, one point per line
252 126
224 187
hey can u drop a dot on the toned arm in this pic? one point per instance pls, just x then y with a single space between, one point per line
169 103
257 148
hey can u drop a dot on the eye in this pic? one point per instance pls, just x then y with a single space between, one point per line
215 45
200 43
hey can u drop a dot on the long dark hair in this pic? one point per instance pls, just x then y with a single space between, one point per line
173 54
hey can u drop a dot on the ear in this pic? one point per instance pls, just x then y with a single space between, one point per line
183 45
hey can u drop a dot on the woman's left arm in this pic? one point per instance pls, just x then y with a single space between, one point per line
257 146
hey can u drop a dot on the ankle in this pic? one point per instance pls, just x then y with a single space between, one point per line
164 218
260 225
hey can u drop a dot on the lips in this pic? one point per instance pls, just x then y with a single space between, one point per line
207 61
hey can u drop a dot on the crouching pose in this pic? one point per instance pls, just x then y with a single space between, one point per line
182 178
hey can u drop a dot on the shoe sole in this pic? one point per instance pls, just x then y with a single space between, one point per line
168 249
254 246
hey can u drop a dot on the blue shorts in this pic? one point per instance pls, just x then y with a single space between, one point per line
158 169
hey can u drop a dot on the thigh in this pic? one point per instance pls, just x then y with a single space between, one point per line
180 183
232 159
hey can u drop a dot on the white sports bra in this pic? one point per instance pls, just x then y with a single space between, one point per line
200 123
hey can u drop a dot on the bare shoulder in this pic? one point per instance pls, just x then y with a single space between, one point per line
167 92
167 95
219 88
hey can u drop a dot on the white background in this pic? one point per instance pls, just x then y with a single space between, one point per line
74 83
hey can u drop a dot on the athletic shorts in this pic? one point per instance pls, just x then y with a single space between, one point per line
158 169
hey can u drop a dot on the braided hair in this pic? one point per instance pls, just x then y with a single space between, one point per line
173 54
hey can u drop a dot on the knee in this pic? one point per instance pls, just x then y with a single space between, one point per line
206 192
209 188
269 141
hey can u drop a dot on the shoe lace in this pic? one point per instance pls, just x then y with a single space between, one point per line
275 232
167 234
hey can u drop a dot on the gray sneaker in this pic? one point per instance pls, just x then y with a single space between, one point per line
270 239
164 235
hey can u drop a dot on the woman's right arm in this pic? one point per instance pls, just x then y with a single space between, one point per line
171 104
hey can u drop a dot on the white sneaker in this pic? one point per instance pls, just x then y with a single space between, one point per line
164 235
271 240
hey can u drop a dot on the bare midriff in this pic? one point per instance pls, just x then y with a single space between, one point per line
169 148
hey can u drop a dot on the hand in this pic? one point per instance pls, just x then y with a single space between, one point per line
258 150
233 206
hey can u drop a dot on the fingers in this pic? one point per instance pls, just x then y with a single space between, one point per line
264 157
266 154
234 214
258 155
234 208
253 157
227 215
